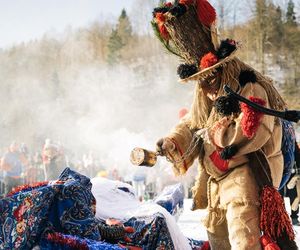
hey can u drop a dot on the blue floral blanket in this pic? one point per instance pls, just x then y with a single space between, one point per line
61 215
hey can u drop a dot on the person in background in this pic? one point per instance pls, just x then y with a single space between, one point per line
13 163
54 160
34 172
138 183
89 164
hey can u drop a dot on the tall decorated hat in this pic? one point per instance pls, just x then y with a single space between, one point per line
187 28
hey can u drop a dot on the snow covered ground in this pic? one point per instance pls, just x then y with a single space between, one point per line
191 226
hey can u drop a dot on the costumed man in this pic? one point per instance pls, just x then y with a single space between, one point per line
239 149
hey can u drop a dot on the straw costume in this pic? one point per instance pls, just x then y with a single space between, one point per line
238 148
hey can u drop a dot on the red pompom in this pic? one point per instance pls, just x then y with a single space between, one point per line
206 13
251 117
274 219
208 60
186 2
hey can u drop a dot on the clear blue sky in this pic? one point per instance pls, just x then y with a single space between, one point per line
23 20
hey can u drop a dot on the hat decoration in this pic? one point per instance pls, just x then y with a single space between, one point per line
187 28
211 61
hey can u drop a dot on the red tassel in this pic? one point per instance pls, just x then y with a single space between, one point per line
268 244
251 118
206 13
208 60
274 219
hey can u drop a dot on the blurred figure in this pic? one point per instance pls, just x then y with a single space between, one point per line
79 166
114 175
34 172
13 163
138 183
2 186
54 160
89 164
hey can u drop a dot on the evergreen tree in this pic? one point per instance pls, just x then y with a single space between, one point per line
292 54
275 29
114 46
119 38
290 14
124 29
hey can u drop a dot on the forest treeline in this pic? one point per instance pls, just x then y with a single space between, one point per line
271 37
270 41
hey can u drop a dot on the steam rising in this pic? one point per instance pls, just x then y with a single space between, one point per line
89 106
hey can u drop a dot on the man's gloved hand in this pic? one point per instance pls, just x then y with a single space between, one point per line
165 145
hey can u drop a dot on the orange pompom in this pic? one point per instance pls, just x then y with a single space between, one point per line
160 18
208 60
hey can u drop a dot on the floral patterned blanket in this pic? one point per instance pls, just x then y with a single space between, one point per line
64 206
61 215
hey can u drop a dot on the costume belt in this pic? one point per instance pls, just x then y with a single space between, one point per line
216 215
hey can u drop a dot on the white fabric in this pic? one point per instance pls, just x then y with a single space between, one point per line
111 202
